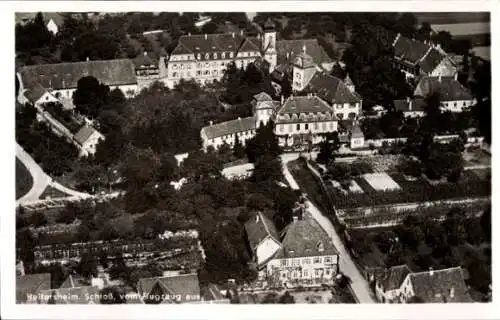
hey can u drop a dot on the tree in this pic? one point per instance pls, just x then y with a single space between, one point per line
424 32
87 266
286 298
327 148
286 86
119 269
486 223
38 219
112 295
267 168
90 96
238 149
264 142
410 167
270 298
455 226
339 171
442 162
200 165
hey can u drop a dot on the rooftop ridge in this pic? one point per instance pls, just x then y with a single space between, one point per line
434 271
75 62
265 225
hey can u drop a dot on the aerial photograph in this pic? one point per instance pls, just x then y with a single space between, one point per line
252 158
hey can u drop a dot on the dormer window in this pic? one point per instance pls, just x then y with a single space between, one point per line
207 56
215 55
320 246
223 55
198 56
231 55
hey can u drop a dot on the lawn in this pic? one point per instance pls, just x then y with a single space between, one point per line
24 180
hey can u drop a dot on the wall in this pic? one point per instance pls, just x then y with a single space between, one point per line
265 250
445 69
347 110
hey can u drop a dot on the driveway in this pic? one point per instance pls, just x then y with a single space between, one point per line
358 283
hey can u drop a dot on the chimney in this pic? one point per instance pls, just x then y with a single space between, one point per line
88 59
452 292
241 32
440 78
145 53
287 55
206 36
295 218
232 34
211 122
239 118
456 76
189 34
431 271
304 48
410 105
407 99
257 218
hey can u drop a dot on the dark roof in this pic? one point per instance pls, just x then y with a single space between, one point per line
229 127
258 228
146 59
348 81
212 292
66 75
356 132
303 60
35 92
431 60
304 104
393 277
84 134
448 88
417 104
77 295
184 285
346 124
31 284
219 42
410 50
437 288
331 89
302 239
295 47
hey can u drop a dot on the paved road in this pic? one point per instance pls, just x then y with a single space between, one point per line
40 179
358 283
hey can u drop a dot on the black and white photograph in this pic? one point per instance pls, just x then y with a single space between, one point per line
174 157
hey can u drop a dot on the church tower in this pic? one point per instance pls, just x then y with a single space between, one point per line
269 44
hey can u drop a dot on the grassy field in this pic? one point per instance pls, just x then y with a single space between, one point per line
451 17
24 180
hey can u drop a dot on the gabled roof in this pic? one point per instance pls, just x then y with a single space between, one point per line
303 238
31 284
393 277
221 42
304 104
410 50
431 60
303 60
331 89
446 285
76 295
448 88
184 285
348 81
35 92
84 134
258 228
262 96
146 59
229 127
417 104
356 132
66 75
288 49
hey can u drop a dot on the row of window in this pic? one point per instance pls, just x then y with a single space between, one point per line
297 262
215 55
351 115
305 273
345 105
284 128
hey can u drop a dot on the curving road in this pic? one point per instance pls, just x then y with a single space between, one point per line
358 283
41 180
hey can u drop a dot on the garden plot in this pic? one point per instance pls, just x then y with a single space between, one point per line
381 181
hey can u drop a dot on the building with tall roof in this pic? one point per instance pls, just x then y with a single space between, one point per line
263 239
399 284
453 95
181 288
306 256
416 58
61 79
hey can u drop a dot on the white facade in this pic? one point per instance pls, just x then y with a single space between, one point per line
347 110
265 250
229 139
89 146
52 27
293 271
458 105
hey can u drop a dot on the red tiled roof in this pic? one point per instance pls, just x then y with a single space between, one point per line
417 104
431 60
184 285
295 47
221 42
393 277
410 50
304 104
